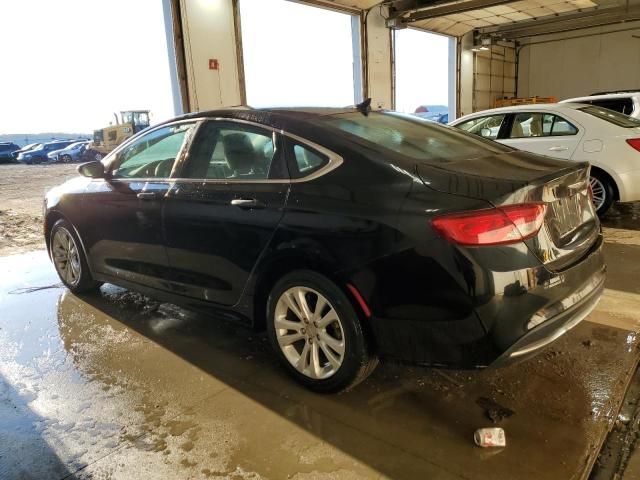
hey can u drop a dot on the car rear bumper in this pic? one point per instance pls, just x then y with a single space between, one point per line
630 186
511 324
556 326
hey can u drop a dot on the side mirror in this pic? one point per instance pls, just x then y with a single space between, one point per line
92 170
485 132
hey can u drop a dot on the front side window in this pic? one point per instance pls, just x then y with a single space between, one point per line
412 137
224 151
487 127
153 154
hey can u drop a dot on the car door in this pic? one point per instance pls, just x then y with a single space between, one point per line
122 229
544 133
224 208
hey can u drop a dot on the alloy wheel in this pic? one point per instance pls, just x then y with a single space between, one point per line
66 256
309 332
598 193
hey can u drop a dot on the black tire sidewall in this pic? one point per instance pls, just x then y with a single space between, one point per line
86 281
356 351
609 192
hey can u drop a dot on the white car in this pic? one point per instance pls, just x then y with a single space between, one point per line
623 102
609 140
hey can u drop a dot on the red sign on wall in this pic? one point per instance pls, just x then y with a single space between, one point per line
213 64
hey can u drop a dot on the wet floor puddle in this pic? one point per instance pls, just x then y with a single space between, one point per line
114 385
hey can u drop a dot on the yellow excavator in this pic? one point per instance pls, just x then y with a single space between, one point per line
108 138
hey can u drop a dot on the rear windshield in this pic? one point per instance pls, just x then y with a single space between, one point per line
415 138
610 116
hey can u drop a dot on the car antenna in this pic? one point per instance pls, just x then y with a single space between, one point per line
364 107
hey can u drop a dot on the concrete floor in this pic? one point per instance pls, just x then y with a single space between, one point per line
113 385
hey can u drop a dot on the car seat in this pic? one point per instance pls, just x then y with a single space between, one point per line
240 153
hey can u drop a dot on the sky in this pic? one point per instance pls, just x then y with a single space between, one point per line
321 72
422 69
67 65
306 66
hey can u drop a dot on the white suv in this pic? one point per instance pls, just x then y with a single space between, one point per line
626 102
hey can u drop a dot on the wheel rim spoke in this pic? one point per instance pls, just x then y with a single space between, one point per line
291 304
598 192
313 343
302 302
315 360
328 319
333 359
285 340
320 304
335 344
66 257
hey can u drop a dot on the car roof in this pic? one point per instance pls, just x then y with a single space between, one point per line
525 108
604 96
284 118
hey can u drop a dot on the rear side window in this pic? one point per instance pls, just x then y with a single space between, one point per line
620 105
537 124
412 137
307 161
612 117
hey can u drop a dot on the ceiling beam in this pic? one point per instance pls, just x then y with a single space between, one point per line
422 10
563 23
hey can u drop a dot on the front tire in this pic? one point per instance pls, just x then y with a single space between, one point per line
602 192
317 334
69 260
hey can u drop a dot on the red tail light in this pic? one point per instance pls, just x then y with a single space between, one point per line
634 142
493 226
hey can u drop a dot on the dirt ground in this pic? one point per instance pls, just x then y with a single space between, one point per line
22 189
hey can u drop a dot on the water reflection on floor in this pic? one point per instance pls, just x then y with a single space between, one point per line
114 385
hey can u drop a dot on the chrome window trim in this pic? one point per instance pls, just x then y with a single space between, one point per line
334 160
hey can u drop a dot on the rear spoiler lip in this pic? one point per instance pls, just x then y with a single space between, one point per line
548 187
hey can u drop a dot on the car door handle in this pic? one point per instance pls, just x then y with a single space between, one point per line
246 203
147 195
558 149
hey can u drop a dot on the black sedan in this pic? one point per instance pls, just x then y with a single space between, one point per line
348 234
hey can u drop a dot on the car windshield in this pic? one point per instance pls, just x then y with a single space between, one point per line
415 138
611 116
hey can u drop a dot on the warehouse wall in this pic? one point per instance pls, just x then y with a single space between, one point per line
579 63
209 33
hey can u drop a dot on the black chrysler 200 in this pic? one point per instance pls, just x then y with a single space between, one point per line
349 235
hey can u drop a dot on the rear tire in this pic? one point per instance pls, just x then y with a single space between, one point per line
603 192
69 259
66 159
317 334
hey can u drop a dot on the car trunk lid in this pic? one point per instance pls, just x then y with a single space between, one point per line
570 225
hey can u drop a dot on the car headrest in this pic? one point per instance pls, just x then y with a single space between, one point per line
239 152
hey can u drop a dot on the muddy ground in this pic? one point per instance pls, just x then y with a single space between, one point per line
22 189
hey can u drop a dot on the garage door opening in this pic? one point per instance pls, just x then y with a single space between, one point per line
425 74
299 55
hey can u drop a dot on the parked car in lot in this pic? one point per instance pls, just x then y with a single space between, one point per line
71 153
609 140
26 148
625 102
6 151
435 113
39 153
347 236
